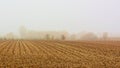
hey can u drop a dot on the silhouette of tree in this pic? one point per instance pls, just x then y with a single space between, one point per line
52 38
63 37
105 35
47 37
89 36
73 37
23 32
10 36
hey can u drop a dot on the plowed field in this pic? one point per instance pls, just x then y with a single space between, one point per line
59 54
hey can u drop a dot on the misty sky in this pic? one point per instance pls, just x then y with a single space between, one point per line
70 15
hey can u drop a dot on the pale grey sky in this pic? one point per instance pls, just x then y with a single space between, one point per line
71 15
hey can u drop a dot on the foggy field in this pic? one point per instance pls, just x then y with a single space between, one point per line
59 33
59 54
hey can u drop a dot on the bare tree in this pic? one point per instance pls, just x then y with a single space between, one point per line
63 37
47 37
105 36
89 36
23 32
